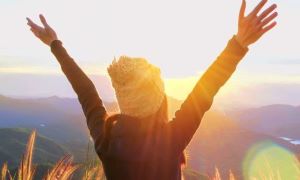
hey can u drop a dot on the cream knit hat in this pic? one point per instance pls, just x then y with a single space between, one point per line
138 85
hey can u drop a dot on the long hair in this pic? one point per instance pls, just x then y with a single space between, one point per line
161 117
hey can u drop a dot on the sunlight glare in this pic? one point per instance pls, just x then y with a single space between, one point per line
267 160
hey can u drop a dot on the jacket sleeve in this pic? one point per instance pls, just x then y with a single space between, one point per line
89 99
187 119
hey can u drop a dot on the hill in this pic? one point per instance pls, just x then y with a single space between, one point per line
46 117
60 119
219 142
222 143
276 120
13 144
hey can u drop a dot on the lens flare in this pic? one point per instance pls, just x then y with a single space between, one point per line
267 160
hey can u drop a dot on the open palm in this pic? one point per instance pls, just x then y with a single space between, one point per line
46 34
253 27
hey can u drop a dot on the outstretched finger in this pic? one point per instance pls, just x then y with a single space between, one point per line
267 12
43 20
268 28
258 7
269 19
31 23
29 20
243 9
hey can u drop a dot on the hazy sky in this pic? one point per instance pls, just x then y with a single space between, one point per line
181 36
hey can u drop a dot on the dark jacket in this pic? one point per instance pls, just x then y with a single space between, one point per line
128 152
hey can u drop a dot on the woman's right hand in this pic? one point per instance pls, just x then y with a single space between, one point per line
46 34
252 27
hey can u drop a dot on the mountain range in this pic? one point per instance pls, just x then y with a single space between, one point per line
220 141
277 120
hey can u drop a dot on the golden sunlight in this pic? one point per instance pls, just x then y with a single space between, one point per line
180 88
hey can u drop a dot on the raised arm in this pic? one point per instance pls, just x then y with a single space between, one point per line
87 94
188 118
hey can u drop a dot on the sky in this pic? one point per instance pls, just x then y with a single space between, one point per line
181 37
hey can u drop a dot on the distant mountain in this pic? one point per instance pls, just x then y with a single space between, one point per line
38 85
219 142
277 120
222 143
13 144
260 95
60 119
48 118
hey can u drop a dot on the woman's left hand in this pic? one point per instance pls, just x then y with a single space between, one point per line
253 27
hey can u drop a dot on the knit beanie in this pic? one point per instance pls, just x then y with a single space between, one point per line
138 86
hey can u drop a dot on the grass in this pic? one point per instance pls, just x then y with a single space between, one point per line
26 169
64 169
5 174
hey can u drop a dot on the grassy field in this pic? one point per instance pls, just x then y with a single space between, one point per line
65 169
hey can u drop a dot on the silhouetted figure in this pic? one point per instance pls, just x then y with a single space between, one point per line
140 143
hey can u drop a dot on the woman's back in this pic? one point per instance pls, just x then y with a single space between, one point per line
135 152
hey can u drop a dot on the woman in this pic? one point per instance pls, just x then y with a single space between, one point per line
140 142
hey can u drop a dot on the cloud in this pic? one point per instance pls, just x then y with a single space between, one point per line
182 37
285 61
260 95
233 94
45 85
